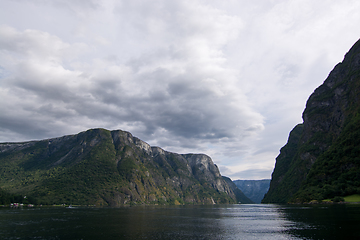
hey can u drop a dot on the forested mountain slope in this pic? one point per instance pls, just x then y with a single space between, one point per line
101 167
322 157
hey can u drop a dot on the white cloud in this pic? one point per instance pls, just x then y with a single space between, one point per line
187 93
229 79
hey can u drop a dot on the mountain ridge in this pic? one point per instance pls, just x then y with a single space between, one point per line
109 168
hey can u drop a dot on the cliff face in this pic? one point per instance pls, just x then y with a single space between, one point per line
109 168
320 159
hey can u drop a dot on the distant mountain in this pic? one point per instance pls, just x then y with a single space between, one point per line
108 168
240 196
321 159
253 189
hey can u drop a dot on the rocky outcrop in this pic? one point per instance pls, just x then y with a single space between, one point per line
113 168
328 137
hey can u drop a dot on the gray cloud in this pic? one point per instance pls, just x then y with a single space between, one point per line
185 105
250 174
226 79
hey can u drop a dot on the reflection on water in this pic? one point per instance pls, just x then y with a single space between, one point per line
337 221
183 222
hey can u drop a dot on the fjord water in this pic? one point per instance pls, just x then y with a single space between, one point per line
258 221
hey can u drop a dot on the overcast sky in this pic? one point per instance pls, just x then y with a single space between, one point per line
226 78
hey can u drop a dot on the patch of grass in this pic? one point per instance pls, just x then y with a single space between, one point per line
352 198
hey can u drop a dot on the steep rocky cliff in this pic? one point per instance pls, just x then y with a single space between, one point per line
321 159
109 168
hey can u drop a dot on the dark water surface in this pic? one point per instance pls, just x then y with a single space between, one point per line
257 221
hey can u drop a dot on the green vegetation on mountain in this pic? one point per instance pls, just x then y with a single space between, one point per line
6 198
322 159
107 168
285 168
336 172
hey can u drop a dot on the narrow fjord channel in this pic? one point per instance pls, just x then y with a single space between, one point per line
253 221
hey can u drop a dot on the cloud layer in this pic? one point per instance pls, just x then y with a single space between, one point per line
229 80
